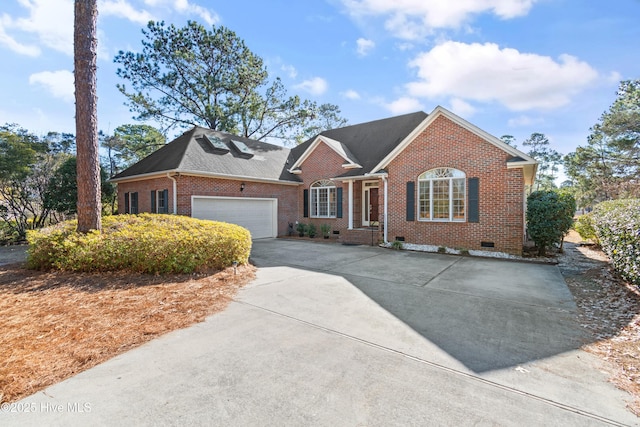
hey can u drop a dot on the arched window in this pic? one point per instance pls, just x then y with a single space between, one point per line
322 197
441 194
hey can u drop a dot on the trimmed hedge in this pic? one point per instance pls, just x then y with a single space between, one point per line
146 243
617 224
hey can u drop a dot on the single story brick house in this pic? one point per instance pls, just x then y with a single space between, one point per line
427 179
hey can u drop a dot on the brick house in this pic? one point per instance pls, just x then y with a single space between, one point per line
431 179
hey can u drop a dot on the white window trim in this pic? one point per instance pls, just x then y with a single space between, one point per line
430 181
322 185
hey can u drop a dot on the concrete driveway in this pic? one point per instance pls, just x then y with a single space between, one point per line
357 336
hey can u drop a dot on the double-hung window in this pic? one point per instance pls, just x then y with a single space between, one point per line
322 199
131 203
159 201
441 194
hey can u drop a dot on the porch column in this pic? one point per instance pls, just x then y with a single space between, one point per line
386 205
350 227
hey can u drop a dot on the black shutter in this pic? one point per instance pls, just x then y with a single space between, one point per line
126 203
134 203
165 194
305 203
339 202
411 201
473 197
153 201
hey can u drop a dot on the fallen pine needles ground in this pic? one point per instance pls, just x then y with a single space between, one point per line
55 324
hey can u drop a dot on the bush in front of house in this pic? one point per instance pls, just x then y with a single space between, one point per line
549 217
585 228
145 243
617 224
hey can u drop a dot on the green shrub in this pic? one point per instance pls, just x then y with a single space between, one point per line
325 229
397 245
301 228
549 217
585 228
147 243
311 230
617 224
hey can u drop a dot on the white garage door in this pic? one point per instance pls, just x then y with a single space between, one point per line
259 216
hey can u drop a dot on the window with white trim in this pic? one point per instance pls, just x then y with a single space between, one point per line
322 199
441 195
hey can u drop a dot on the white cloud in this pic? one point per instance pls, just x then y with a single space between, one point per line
365 46
50 21
124 9
486 73
10 42
351 94
315 86
58 83
524 121
462 108
614 77
404 105
412 19
185 7
290 70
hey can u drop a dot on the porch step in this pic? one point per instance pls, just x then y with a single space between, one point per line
361 236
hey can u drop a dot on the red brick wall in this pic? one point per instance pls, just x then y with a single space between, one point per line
324 163
144 189
202 186
445 144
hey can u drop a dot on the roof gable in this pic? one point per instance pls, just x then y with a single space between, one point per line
363 144
340 148
519 159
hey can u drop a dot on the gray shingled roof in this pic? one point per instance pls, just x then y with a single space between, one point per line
366 144
190 152
369 142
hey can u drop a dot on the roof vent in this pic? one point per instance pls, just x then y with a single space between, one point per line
242 148
218 146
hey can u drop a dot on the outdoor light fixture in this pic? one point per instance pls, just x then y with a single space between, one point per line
242 187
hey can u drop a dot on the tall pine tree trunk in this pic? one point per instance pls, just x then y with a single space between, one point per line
85 44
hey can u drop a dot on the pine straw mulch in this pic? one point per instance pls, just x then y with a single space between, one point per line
55 325
609 310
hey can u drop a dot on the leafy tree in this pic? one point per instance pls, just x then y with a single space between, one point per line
60 142
61 194
548 159
25 166
608 167
19 151
131 143
194 76
549 217
85 42
509 140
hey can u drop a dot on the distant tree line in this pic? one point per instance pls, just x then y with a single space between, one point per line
38 174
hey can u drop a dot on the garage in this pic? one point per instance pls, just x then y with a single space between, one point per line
258 215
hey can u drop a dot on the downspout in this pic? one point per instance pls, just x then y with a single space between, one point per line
175 193
386 205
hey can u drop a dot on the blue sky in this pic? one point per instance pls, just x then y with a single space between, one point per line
508 66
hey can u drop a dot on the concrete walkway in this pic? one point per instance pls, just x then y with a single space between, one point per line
335 335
